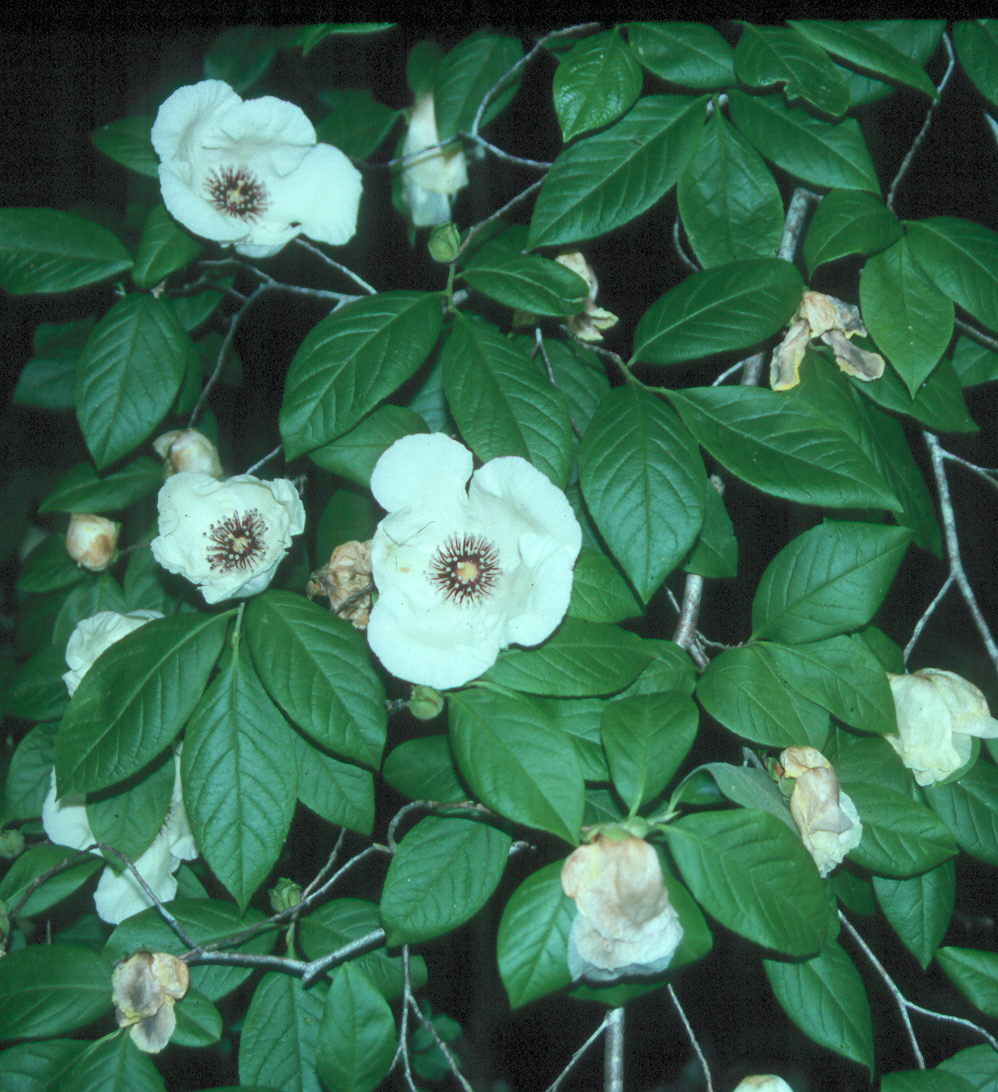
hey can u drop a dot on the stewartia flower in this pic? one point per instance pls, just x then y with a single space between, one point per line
119 895
593 320
145 988
826 817
938 712
462 573
764 1082
227 537
187 449
95 634
430 180
625 923
251 173
91 541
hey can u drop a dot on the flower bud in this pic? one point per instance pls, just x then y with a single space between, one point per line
91 541
426 703
11 844
284 894
145 988
826 817
187 449
444 242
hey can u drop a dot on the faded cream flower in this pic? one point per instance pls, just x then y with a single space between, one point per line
938 712
590 323
251 174
625 923
95 634
145 988
464 572
764 1082
430 180
187 449
228 537
833 322
826 817
345 580
91 541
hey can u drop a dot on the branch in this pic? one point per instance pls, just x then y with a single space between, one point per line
686 631
693 1039
496 215
613 1058
577 1055
359 281
67 862
978 335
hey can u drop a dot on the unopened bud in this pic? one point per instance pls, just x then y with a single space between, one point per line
444 242
91 541
426 703
284 895
11 844
187 450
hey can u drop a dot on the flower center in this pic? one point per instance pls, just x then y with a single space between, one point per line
465 568
237 192
237 541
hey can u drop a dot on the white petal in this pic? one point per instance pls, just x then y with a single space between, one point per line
187 203
267 134
322 195
187 113
94 635
65 819
421 471
119 896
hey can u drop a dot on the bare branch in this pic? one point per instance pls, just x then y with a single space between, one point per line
926 615
67 862
556 1084
266 459
978 335
689 613
677 244
444 1049
613 1047
534 186
325 259
693 1039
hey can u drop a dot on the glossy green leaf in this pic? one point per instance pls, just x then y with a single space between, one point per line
129 817
240 56
961 257
975 975
49 989
81 489
423 769
938 404
969 807
848 222
594 83
787 450
199 1023
44 250
825 997
28 772
464 76
280 1035
715 553
924 1080
644 484
113 1064
48 380
353 359
531 283
38 1066
669 669
441 875
48 567
38 692
729 202
718 310
354 454
310 36
976 1065
516 761
34 863
128 377
919 908
579 375
164 247
316 667
357 1035
501 400
127 142
768 55
900 837
820 152
976 42
599 591
691 54
826 581
343 794
357 123
86 599
603 181
974 363
135 699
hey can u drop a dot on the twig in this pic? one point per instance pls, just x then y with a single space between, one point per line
989 474
67 862
693 1039
730 371
613 1047
556 1084
444 1049
946 1018
926 615
402 1050
978 335
677 243
266 459
359 281
496 215
686 630
917 142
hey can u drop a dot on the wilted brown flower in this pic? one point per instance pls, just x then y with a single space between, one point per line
145 988
345 580
826 817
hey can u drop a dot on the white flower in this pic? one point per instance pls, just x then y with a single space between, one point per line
826 817
144 988
937 714
430 180
95 634
187 449
118 896
227 537
91 541
625 923
764 1082
462 574
251 173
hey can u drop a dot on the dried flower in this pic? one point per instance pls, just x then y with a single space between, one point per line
187 449
826 817
589 324
91 541
145 988
345 580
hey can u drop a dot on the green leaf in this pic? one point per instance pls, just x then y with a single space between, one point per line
163 248
199 1023
861 49
240 777
464 76
343 794
34 863
581 660
849 222
960 257
742 785
357 123
83 490
973 363
975 975
646 738
354 454
135 699
599 591
644 484
48 567
938 404
128 377
130 817
976 1065
353 359
280 1036
317 669
715 553
826 581
531 283
502 401
441 875
603 181
821 152
976 42
787 450
969 807
43 250
112 1064
240 56
691 54
753 874
919 908
579 375
49 989
594 83
924 1080
516 761
357 1035
87 599
310 36
580 720
826 999
532 943
36 1066
900 837
768 55
38 692
28 773
908 317
729 202
48 380
127 141
423 769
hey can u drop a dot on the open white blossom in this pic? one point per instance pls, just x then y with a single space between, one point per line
118 895
228 537
430 180
625 923
826 817
251 173
95 634
763 1082
462 573
938 712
